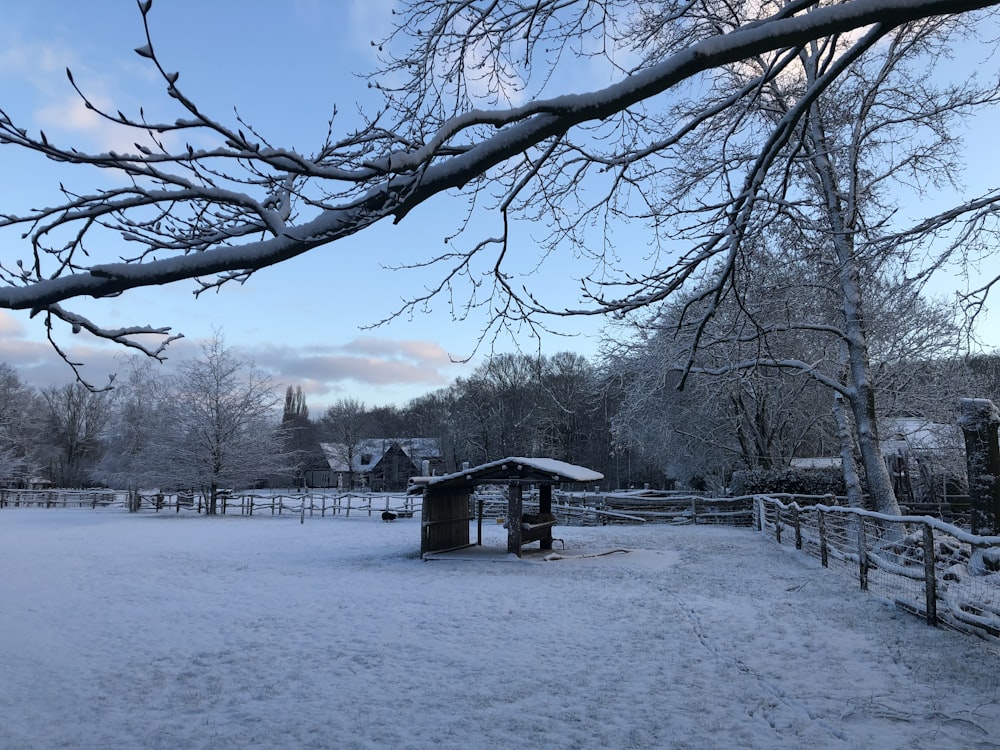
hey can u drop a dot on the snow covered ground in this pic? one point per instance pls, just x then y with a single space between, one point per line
166 631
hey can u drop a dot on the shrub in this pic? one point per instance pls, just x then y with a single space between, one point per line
793 481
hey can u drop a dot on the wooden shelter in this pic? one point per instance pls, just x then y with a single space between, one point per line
446 502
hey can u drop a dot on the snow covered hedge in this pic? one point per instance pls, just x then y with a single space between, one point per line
792 481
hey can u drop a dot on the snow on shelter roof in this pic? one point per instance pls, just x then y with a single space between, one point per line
547 470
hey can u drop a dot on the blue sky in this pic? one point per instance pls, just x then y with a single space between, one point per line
283 66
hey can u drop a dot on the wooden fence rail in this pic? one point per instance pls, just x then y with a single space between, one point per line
243 503
600 509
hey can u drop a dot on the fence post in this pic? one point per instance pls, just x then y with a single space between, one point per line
930 575
798 526
862 553
694 510
824 553
777 522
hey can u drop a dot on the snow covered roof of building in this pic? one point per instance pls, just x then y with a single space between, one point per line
918 434
816 462
516 468
899 435
416 449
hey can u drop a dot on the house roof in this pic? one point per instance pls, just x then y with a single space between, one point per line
900 435
514 469
416 449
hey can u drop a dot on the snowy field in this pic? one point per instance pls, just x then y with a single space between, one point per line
166 631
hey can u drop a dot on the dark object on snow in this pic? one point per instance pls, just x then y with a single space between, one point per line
388 515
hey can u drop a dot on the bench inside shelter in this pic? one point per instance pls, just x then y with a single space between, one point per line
446 514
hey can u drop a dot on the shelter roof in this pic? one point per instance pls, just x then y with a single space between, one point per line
514 469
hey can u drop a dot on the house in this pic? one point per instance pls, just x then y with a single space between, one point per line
382 464
925 458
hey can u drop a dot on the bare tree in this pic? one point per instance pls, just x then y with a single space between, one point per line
75 419
135 432
218 426
498 406
218 214
570 420
821 175
344 426
730 414
768 359
20 413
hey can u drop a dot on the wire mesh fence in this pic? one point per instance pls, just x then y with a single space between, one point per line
923 565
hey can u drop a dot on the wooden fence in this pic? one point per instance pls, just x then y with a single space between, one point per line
229 503
925 566
600 509
60 498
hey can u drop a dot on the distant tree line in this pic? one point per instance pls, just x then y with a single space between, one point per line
221 423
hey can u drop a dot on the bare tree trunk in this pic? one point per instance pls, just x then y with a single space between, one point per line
860 393
848 441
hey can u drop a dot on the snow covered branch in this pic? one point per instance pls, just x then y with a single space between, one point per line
221 213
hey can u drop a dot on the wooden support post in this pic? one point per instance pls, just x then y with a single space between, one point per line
930 576
824 551
545 507
798 527
479 520
862 554
515 502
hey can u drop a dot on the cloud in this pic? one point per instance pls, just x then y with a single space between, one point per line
71 115
10 327
36 62
39 365
426 352
370 21
369 368
36 70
